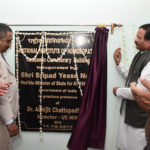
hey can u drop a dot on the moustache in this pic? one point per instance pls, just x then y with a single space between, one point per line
136 43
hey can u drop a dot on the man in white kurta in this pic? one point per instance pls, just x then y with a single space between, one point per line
129 137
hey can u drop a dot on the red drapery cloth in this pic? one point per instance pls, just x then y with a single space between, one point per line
91 124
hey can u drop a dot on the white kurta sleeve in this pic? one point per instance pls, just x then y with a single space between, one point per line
123 70
126 92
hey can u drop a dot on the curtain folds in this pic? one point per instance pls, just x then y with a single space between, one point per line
91 124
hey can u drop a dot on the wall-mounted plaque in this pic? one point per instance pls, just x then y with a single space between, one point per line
51 68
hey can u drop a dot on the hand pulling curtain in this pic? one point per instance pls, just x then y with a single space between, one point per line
91 124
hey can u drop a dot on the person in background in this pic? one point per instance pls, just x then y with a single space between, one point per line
142 97
9 99
131 133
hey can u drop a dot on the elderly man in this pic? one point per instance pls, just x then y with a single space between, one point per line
142 97
8 101
131 134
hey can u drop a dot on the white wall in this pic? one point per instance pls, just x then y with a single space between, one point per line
126 12
74 11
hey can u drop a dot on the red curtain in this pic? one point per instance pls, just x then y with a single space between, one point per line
91 124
